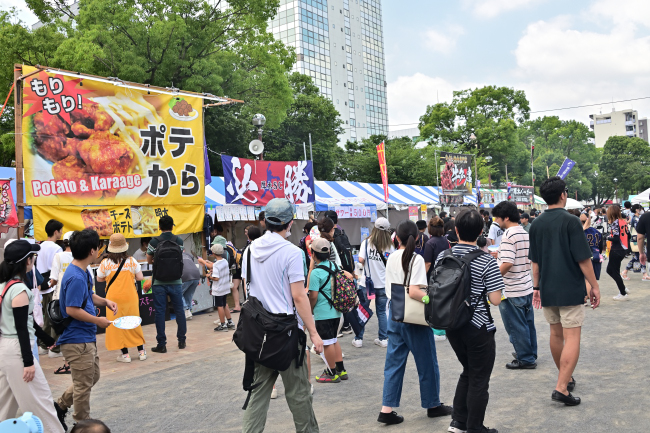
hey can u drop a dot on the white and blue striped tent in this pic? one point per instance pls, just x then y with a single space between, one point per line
332 193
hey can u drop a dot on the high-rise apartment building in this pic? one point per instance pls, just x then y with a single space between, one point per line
340 44
616 123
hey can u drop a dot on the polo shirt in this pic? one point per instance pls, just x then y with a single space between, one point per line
151 251
76 287
557 245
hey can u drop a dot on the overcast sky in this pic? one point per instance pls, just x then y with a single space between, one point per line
561 53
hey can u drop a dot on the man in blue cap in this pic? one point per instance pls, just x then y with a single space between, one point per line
278 282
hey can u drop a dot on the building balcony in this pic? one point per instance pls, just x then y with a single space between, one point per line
629 133
629 123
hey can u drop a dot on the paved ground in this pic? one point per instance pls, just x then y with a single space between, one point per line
199 389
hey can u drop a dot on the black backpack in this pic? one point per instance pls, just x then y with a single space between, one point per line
343 247
168 260
450 288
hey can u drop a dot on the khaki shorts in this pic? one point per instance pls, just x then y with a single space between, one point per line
569 317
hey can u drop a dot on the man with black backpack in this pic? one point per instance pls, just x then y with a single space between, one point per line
166 254
473 338
273 270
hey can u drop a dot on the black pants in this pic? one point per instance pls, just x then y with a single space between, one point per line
475 349
614 268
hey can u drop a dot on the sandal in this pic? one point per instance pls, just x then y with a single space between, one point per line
63 370
645 279
625 277
235 311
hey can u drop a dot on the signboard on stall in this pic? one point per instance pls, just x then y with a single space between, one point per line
452 200
456 173
522 195
92 148
423 211
353 211
7 209
256 182
413 213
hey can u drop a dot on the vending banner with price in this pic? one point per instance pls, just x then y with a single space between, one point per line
131 221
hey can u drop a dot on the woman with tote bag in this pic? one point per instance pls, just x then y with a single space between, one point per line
406 276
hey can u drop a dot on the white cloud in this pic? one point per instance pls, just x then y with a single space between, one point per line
492 8
559 66
408 97
443 41
631 12
24 13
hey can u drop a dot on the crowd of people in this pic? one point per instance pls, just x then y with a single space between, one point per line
518 261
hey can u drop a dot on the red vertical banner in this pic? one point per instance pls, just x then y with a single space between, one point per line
7 209
381 154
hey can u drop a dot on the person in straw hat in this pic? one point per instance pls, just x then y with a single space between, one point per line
122 290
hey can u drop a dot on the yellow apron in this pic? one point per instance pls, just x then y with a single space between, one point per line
123 292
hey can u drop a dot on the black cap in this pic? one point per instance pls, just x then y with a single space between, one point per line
19 250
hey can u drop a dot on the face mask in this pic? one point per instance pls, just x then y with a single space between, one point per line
289 230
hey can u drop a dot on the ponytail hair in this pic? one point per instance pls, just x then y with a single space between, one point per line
407 232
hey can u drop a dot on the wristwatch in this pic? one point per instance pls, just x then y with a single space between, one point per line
536 288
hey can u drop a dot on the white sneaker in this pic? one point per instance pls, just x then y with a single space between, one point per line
440 337
627 290
188 315
143 355
620 297
54 354
357 343
381 343
123 358
42 351
217 322
274 393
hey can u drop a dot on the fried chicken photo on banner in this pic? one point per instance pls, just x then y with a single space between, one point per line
86 148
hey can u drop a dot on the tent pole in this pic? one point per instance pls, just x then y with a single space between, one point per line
304 149
18 121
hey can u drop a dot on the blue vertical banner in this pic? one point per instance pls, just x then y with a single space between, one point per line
567 165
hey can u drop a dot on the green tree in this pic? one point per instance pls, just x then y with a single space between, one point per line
492 114
312 113
625 159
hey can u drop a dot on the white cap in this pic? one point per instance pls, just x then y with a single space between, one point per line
382 224
67 235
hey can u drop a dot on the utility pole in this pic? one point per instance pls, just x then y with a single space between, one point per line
506 173
304 149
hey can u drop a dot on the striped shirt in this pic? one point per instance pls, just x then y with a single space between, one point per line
514 249
485 277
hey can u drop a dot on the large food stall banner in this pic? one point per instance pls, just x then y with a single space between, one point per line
91 142
383 169
7 209
522 195
456 173
256 182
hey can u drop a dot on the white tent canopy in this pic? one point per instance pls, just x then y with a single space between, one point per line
573 204
643 197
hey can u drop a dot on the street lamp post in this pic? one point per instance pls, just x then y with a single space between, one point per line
615 191
257 148
488 159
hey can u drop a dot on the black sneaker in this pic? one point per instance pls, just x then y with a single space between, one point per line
60 414
441 410
390 418
568 400
182 345
161 348
231 325
518 365
347 329
489 430
457 427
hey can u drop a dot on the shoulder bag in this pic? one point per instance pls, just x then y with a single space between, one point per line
404 308
119 268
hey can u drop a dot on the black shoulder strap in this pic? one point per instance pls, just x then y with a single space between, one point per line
248 267
469 257
320 290
119 269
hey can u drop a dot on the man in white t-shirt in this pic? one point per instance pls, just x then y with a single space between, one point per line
495 233
517 309
278 281
54 230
